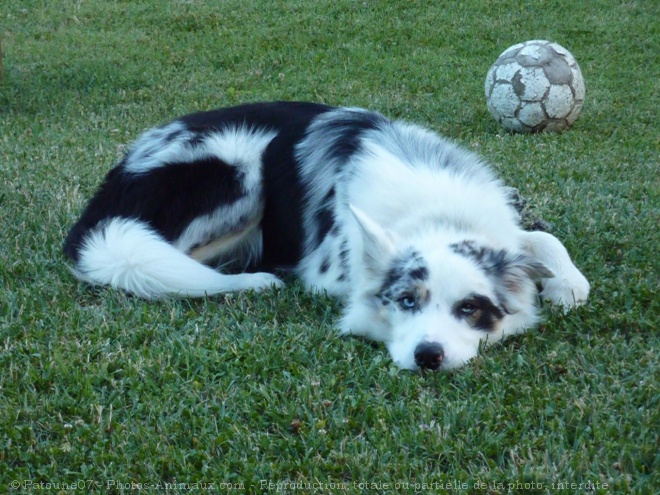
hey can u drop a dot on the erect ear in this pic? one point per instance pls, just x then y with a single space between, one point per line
378 243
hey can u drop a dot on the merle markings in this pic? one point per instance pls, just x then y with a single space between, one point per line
403 282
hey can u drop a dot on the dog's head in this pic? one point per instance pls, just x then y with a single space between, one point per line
434 298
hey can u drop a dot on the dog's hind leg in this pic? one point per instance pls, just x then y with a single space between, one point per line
568 287
180 198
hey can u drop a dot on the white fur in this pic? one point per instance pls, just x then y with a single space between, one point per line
126 254
396 196
240 146
159 146
568 287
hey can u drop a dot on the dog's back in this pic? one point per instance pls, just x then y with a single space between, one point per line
212 186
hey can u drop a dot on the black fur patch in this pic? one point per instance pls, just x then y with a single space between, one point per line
405 280
325 219
167 198
493 261
510 272
483 312
194 139
343 253
349 130
343 260
173 136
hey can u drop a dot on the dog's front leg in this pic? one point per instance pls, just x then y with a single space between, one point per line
568 287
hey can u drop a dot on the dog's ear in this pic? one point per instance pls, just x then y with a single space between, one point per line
519 268
515 276
378 242
535 269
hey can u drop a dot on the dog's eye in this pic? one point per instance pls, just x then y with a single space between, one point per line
407 302
467 309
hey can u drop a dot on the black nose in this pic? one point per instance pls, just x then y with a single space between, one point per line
429 355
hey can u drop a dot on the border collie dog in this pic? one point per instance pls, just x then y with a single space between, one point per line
415 234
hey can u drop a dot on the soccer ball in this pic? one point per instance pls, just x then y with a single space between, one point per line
535 86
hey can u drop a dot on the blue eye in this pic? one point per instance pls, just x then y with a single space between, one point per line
467 309
407 302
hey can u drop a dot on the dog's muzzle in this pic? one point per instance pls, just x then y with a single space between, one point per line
429 355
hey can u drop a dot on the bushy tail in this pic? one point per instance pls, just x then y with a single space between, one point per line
127 254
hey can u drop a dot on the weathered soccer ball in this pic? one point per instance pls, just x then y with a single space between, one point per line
535 86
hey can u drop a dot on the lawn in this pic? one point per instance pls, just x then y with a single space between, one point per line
244 393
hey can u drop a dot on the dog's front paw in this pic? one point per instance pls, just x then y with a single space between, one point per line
265 281
566 290
257 282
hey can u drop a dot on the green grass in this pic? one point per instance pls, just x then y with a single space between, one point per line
106 390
